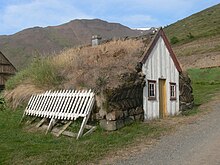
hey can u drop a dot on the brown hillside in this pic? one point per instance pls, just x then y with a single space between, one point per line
21 47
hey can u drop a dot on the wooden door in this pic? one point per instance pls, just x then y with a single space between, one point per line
162 98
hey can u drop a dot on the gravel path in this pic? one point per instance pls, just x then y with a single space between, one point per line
197 143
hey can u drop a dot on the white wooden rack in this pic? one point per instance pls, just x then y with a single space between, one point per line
63 105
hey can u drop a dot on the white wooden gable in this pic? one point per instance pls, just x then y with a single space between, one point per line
160 62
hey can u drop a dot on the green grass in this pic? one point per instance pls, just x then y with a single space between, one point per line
203 24
18 146
205 83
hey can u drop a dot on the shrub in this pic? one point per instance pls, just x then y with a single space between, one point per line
174 40
41 72
190 36
14 81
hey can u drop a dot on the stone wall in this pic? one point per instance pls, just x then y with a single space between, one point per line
186 92
123 105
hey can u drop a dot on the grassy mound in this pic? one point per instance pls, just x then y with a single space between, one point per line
78 68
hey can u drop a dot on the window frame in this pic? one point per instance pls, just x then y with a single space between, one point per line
152 82
172 93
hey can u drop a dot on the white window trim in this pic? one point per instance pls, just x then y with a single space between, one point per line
152 97
172 93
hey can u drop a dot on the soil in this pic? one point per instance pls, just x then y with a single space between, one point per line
205 60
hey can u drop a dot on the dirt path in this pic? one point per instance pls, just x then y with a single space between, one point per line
195 144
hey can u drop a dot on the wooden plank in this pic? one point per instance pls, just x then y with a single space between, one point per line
33 108
85 102
62 99
36 111
57 104
66 106
90 131
51 124
64 128
50 105
83 97
66 133
31 121
44 108
41 122
85 120
44 104
63 107
53 103
41 104
28 110
55 130
70 112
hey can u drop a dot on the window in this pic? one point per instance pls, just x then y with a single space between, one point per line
172 91
151 90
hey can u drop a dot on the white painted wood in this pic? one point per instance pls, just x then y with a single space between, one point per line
63 104
160 65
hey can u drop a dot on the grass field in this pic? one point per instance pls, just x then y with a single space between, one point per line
19 146
205 82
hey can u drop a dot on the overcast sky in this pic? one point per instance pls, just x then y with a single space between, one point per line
16 15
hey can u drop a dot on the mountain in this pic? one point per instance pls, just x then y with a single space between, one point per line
196 39
21 47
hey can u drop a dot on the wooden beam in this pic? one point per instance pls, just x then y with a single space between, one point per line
64 128
41 122
51 124
92 128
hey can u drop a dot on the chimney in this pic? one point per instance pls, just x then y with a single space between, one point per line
96 40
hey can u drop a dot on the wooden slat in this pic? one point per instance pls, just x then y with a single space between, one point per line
64 128
64 105
71 108
69 99
45 107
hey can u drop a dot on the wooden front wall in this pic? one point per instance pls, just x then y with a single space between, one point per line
160 66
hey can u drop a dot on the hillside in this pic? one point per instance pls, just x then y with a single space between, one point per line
196 39
21 47
202 24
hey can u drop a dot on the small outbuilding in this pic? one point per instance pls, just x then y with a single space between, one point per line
161 69
6 70
157 89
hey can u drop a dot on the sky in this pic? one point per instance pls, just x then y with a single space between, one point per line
16 15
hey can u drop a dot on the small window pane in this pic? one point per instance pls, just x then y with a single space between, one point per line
173 91
151 89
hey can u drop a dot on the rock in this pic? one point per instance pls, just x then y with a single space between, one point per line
114 115
132 117
128 121
131 112
139 110
139 117
125 114
111 125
